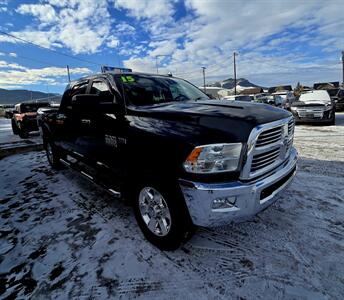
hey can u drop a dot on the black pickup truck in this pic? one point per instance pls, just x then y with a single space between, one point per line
181 158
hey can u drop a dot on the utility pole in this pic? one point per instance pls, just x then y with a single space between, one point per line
235 79
156 64
203 70
68 73
343 66
156 61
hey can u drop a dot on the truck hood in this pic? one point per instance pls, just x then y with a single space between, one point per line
202 122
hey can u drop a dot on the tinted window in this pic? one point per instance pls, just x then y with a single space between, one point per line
32 107
243 98
102 89
66 102
79 89
147 90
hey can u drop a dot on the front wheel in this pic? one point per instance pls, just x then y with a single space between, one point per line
15 128
162 216
333 120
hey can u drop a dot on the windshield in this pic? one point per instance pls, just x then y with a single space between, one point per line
278 99
24 108
243 98
320 96
147 89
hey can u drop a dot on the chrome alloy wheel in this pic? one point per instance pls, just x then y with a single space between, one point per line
50 153
154 211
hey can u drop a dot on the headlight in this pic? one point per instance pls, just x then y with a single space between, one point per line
328 106
215 158
293 108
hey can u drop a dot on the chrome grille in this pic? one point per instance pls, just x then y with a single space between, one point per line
270 136
291 126
266 158
269 145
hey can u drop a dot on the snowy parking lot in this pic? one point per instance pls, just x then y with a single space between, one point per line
62 237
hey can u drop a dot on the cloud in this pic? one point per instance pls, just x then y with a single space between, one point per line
11 73
44 12
80 25
142 9
274 37
125 28
112 42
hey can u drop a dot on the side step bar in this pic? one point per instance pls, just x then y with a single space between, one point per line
73 164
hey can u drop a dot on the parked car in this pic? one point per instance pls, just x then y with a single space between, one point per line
244 98
314 106
8 113
274 100
287 98
338 99
181 158
24 118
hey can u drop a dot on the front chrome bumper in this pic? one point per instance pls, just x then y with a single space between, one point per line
251 197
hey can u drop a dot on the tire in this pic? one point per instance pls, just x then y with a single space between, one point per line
162 215
14 127
333 120
23 134
53 155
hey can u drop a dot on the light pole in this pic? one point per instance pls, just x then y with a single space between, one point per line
203 69
343 67
235 79
156 61
68 73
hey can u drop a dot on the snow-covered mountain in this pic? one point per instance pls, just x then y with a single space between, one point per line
242 83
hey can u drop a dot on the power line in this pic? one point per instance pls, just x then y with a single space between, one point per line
46 48
34 60
197 70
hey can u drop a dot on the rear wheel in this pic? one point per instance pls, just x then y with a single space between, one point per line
162 216
23 133
53 155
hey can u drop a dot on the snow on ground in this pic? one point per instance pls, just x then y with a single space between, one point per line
7 136
62 237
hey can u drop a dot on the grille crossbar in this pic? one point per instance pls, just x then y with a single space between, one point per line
270 147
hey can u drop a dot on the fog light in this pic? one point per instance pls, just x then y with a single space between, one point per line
224 202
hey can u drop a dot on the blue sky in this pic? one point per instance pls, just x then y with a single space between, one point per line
278 42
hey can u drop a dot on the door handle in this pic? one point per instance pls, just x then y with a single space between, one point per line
86 121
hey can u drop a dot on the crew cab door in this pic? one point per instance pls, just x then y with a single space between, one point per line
66 122
98 131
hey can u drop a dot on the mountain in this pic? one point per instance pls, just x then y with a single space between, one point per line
229 83
17 96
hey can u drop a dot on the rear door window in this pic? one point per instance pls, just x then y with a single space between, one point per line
101 88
